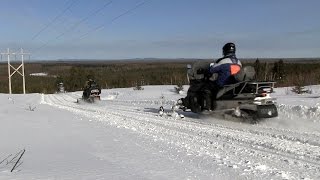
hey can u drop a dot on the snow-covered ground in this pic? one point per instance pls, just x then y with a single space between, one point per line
122 137
39 74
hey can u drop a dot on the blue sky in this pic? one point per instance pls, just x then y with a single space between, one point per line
116 29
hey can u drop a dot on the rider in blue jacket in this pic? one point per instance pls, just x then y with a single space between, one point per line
225 67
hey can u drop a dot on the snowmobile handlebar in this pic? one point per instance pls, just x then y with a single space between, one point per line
205 72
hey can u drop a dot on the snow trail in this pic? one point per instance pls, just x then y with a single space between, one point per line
250 150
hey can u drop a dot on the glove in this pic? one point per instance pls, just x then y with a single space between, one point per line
207 73
200 71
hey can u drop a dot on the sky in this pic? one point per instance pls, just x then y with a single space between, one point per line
118 29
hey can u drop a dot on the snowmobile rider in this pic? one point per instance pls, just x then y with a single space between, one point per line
225 67
89 83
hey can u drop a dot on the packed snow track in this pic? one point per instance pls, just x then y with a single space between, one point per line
268 150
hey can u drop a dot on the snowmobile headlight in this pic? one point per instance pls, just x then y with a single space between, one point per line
94 90
257 102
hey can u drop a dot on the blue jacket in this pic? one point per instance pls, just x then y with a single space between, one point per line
226 67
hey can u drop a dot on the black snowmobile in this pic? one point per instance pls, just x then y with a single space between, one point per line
247 99
91 92
60 88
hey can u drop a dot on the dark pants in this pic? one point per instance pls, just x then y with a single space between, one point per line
193 100
209 92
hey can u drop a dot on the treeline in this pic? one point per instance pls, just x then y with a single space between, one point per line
288 73
74 76
125 75
130 74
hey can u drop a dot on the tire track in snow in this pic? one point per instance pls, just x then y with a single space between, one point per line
237 131
208 140
295 136
303 137
282 134
312 138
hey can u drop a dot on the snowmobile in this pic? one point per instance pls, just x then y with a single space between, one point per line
60 88
247 99
91 92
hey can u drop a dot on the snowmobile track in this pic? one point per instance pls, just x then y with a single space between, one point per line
280 150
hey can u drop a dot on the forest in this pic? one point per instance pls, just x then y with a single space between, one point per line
122 74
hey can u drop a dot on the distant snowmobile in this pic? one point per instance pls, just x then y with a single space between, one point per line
60 88
91 92
247 99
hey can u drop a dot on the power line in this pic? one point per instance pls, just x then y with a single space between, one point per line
101 26
77 23
84 19
57 17
114 19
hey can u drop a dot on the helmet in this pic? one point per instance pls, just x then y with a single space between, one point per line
229 48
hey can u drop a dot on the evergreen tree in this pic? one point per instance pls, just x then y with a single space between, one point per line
281 69
179 87
278 70
299 87
257 68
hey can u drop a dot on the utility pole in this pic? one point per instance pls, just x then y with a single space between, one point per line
21 66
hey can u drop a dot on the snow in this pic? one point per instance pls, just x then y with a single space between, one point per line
39 74
123 137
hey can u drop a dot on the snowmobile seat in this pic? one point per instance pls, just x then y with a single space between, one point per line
226 89
246 74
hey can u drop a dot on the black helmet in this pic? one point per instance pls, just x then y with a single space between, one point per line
229 48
